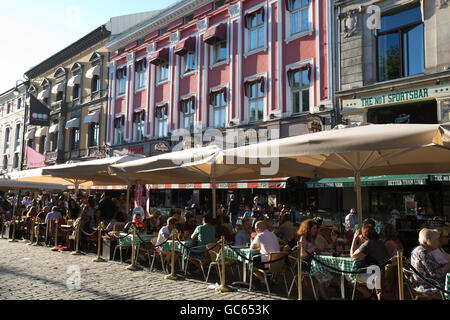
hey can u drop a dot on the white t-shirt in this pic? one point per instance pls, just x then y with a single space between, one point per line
164 231
268 243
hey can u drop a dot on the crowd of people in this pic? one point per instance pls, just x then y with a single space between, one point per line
274 229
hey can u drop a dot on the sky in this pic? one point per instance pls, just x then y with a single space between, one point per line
32 31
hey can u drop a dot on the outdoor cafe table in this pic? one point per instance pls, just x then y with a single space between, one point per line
127 239
180 248
246 252
447 286
340 263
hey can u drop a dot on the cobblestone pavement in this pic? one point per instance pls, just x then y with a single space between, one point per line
37 273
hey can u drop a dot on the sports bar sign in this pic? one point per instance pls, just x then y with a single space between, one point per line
412 95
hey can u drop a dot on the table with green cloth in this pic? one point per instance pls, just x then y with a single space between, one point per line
128 239
231 254
447 286
321 273
179 248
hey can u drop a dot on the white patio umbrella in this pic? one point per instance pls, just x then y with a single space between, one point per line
6 185
368 150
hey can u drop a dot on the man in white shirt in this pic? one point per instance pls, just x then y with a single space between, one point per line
54 214
267 242
351 220
164 234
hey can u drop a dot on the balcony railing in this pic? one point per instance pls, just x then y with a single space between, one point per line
51 156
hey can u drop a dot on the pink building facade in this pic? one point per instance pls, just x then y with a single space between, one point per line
251 64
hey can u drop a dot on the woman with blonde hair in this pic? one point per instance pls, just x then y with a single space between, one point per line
425 263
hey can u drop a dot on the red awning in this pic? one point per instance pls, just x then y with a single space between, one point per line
187 99
214 92
259 79
160 57
166 110
184 46
260 10
276 183
216 34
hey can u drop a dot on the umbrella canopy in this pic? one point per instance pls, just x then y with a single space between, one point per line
86 173
6 185
365 150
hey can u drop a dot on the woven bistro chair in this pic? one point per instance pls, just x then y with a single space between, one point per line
274 268
416 295
152 253
294 270
202 261
213 254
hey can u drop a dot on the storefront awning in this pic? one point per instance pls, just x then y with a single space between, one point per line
42 132
215 34
93 117
373 181
160 57
442 177
74 123
184 46
276 183
58 88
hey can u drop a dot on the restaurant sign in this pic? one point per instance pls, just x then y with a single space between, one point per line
411 95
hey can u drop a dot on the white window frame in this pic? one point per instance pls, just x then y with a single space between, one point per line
6 141
138 126
247 31
17 136
248 100
214 108
119 133
184 61
119 82
191 114
289 36
140 76
158 74
213 50
289 91
15 164
162 121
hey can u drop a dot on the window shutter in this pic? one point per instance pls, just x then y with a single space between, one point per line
262 82
225 96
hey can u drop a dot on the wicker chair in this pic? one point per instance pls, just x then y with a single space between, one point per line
274 268
213 256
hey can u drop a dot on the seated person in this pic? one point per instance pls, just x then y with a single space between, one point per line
267 242
155 221
54 214
247 213
285 228
293 241
391 240
165 234
204 234
189 227
324 241
222 230
445 257
120 219
243 236
425 263
372 251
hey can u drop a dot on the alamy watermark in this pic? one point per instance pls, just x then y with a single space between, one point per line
74 280
231 142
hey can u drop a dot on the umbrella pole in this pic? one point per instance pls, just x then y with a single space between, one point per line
358 197
128 198
213 180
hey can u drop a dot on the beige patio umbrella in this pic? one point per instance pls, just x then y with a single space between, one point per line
367 150
6 185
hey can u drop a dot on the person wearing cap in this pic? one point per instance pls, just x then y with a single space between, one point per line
324 240
351 220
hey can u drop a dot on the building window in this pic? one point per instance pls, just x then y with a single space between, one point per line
76 92
299 16
5 162
141 42
121 51
95 84
188 112
94 134
300 85
75 139
16 161
161 119
17 139
219 52
30 143
8 108
119 130
138 126
188 62
400 45
163 72
19 103
255 94
41 144
218 4
255 30
219 105
163 30
121 81
53 141
141 67
6 142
